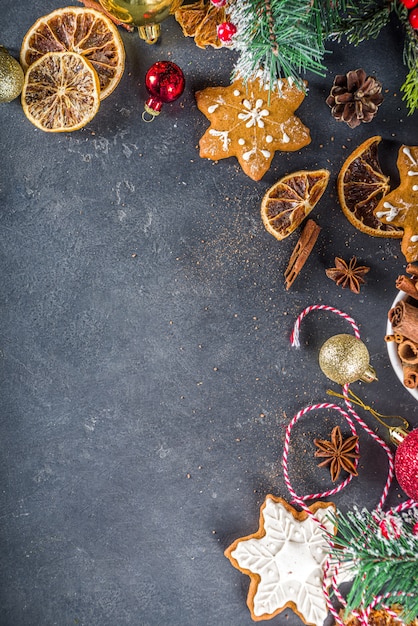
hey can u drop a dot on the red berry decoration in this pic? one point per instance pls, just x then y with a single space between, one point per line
226 31
221 3
165 83
409 4
406 464
413 18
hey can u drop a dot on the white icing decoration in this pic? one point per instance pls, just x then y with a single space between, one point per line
269 139
241 141
286 137
289 561
265 153
414 187
212 108
253 115
414 238
246 156
237 93
407 152
412 173
223 135
388 215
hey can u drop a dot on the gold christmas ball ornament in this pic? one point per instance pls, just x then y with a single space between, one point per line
146 15
345 359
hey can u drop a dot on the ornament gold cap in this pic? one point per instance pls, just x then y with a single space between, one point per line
397 434
152 112
344 359
369 375
149 33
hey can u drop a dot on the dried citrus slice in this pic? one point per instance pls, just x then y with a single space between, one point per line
291 199
61 92
361 185
77 29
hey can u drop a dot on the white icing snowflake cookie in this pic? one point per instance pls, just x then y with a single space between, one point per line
250 122
400 206
285 561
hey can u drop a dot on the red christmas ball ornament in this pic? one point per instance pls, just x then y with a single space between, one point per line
406 461
409 4
413 18
226 31
165 83
221 3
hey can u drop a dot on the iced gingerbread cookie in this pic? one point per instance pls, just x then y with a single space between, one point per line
285 561
250 122
400 206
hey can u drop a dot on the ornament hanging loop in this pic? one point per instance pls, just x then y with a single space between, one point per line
378 416
148 116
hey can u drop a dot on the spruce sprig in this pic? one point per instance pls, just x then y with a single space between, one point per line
381 551
410 59
280 38
362 20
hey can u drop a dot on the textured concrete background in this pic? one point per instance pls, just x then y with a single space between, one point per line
146 374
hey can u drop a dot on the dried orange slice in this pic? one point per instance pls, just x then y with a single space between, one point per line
77 29
291 199
61 92
361 185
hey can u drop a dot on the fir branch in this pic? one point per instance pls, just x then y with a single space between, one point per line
382 553
410 91
410 58
362 20
279 38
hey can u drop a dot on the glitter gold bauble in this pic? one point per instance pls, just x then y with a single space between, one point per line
146 15
345 359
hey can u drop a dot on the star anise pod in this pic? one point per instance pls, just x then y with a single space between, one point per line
348 274
355 97
338 453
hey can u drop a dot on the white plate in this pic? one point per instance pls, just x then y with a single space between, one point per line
393 352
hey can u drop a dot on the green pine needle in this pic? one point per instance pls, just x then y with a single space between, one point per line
410 91
280 38
410 86
380 565
362 20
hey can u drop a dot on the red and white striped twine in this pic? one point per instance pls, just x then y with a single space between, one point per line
363 613
294 337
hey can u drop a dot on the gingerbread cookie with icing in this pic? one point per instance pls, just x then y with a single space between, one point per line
250 121
400 206
285 561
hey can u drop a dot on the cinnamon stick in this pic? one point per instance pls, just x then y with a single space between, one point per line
412 269
410 376
404 319
408 352
395 338
301 251
408 285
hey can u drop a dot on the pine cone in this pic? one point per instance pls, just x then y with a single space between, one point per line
355 97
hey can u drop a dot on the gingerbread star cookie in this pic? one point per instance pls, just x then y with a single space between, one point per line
285 561
251 122
400 206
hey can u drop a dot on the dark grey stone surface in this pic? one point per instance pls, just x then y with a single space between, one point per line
146 373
